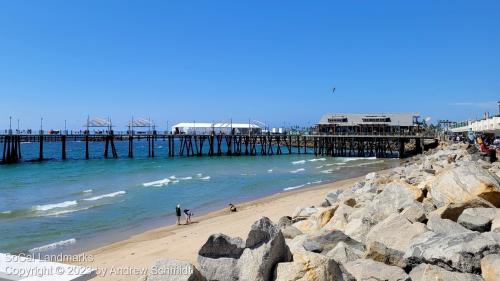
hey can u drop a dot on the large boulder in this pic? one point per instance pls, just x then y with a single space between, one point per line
388 241
223 258
465 183
365 269
462 251
324 241
394 198
452 211
290 232
478 219
174 270
333 196
495 223
490 268
428 272
445 226
343 253
218 257
297 243
475 223
303 213
340 218
414 213
317 220
308 266
358 228
264 248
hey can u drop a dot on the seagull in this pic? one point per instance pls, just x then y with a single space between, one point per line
333 91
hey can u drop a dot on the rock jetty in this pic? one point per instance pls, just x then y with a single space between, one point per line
436 217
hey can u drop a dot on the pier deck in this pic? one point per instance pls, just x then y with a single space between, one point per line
188 145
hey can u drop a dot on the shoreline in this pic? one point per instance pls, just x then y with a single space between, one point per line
182 242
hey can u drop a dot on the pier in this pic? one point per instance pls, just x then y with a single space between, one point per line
213 145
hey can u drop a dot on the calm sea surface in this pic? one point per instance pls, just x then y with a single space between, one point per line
74 205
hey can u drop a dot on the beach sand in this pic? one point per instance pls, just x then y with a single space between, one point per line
141 251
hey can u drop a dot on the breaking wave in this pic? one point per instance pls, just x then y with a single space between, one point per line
109 195
53 246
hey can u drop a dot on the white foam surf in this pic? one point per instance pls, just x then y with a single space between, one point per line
88 191
109 195
53 246
317 159
297 171
205 178
300 162
329 171
158 183
294 187
54 206
270 170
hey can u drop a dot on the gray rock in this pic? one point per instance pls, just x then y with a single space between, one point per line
218 257
290 232
365 269
495 223
313 246
394 198
465 183
223 258
428 272
452 211
325 241
222 246
358 228
296 244
490 267
340 218
343 253
462 251
475 223
428 205
333 196
414 213
285 221
388 241
307 266
174 270
478 219
265 248
303 213
445 226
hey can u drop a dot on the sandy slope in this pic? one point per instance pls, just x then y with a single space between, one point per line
183 242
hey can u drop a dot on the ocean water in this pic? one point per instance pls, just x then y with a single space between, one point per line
74 205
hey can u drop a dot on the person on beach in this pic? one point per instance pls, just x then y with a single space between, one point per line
232 208
188 214
178 213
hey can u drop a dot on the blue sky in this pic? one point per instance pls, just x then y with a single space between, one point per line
274 61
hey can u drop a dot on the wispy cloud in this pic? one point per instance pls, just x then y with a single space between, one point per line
483 104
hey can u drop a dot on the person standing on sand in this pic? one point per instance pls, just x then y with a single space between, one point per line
178 213
188 214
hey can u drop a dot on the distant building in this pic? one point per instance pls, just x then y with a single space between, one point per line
208 128
368 123
490 125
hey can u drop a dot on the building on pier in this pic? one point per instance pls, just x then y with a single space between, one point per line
208 128
368 123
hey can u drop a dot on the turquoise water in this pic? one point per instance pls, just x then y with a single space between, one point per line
74 205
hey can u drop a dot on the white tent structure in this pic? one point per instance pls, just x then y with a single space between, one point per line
208 128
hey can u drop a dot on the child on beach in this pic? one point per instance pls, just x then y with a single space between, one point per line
188 214
178 213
